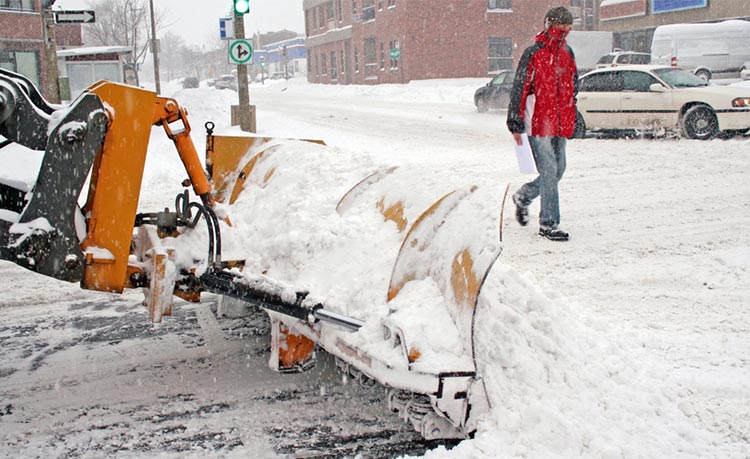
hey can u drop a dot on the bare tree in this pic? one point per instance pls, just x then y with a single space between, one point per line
171 46
122 23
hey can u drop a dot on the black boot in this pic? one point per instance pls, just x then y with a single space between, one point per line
522 211
553 233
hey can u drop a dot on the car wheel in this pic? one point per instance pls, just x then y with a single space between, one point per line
482 106
579 131
703 74
699 122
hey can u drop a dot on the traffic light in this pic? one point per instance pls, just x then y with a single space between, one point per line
241 6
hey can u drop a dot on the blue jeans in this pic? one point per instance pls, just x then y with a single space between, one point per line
549 155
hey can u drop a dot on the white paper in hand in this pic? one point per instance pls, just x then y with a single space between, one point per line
526 163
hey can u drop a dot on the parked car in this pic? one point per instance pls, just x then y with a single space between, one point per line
652 97
190 82
226 82
708 50
745 72
618 58
496 93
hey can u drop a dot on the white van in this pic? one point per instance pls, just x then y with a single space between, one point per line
709 50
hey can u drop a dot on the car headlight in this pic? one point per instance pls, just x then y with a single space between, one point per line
741 102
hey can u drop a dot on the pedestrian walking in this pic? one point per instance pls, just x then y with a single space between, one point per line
543 99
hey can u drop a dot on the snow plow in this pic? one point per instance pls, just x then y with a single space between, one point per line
375 267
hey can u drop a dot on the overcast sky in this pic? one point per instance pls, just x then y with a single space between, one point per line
197 21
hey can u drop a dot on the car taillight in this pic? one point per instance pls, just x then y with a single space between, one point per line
674 61
741 102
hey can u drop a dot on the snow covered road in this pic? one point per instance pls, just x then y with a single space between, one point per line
654 285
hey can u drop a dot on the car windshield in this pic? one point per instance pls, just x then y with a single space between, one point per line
500 79
677 78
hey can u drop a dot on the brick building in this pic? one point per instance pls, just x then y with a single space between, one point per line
23 41
396 41
633 21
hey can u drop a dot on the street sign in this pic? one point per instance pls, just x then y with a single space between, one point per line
394 53
75 17
226 28
240 51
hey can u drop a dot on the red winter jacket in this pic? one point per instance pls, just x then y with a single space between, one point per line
548 70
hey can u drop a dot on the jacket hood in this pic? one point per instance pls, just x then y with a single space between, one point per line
550 37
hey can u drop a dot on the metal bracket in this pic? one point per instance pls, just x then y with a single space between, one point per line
44 237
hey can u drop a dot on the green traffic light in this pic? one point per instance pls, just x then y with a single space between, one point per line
241 6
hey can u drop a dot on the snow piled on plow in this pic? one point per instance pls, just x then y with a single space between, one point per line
560 383
286 226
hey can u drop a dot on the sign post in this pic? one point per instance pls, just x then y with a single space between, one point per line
395 53
240 51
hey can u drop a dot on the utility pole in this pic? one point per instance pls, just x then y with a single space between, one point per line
155 48
286 62
50 78
247 113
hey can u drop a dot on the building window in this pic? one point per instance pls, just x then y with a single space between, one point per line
321 18
500 5
500 55
380 5
330 13
24 62
356 60
82 74
334 67
341 10
391 3
343 63
371 58
368 10
354 8
324 66
394 47
25 5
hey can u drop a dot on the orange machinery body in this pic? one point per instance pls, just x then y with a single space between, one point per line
118 173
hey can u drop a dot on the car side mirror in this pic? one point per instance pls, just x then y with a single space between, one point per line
657 87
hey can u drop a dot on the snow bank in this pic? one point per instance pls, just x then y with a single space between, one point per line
564 384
